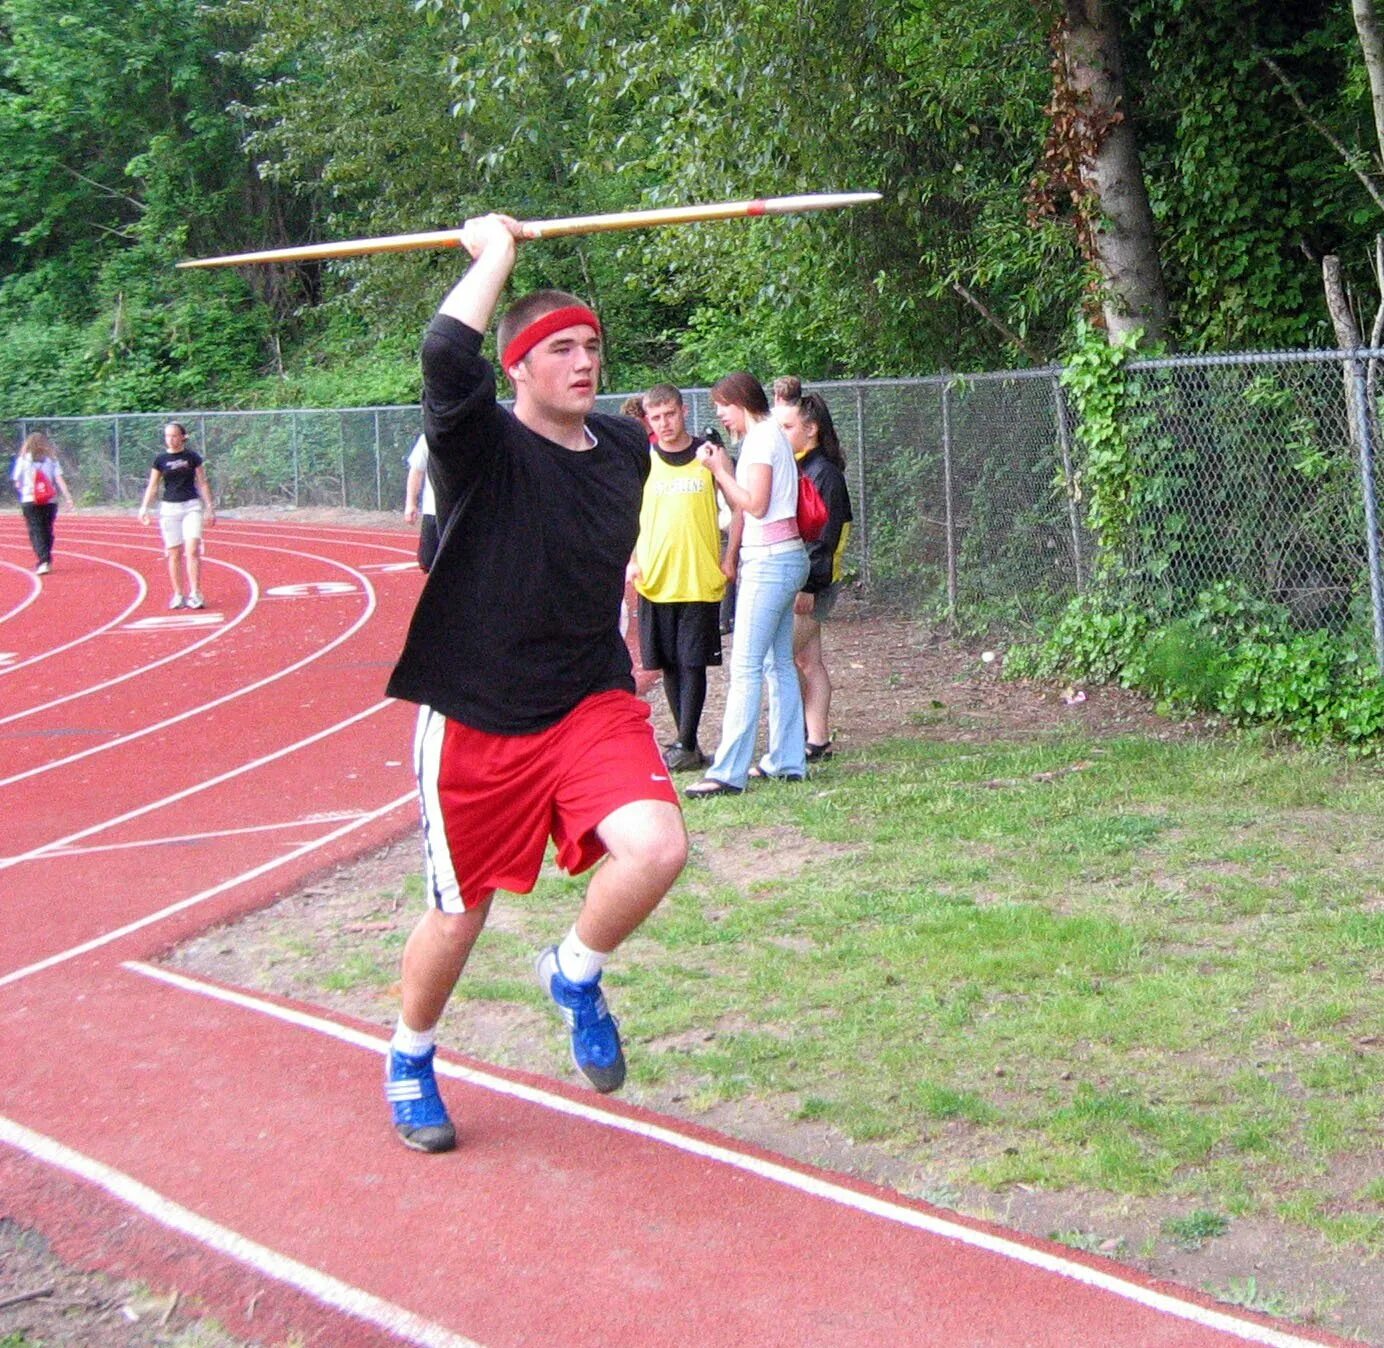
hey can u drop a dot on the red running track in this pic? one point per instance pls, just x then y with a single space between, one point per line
161 773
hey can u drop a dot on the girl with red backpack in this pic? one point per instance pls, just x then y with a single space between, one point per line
37 477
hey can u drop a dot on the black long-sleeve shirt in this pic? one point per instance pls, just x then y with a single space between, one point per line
519 618
831 482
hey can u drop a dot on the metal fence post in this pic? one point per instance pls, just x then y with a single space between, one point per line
1366 447
1064 440
119 493
947 501
293 429
379 485
861 511
341 456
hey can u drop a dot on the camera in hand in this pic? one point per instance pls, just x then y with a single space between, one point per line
712 434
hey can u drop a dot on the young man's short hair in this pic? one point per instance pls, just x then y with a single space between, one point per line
526 309
788 388
661 395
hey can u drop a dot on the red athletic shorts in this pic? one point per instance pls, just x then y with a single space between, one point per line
491 802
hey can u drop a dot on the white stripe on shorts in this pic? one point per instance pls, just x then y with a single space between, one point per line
444 891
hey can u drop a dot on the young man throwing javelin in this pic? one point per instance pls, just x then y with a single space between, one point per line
528 725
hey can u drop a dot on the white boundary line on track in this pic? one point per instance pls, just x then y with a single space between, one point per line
202 708
220 632
96 942
50 848
765 1169
141 591
35 589
321 1287
307 821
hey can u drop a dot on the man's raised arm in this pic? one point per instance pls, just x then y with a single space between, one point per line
492 241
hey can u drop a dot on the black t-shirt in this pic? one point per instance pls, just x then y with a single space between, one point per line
179 474
678 458
520 617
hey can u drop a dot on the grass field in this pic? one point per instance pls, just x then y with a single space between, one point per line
1135 966
1146 972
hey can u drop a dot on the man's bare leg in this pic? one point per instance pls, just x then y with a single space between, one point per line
647 849
646 846
434 956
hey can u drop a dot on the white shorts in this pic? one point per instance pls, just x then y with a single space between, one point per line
180 522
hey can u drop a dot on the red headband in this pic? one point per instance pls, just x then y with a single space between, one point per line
527 338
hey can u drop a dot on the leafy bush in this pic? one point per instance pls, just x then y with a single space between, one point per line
1232 655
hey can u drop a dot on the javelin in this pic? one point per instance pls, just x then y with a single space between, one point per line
551 229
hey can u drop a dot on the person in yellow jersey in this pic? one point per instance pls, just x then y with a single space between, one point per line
679 571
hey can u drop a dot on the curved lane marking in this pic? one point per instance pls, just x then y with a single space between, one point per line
320 1287
182 839
776 1172
221 630
141 591
35 589
204 707
96 942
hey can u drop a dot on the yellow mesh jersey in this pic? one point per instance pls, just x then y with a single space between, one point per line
679 548
840 552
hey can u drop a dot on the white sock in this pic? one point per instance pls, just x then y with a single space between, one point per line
577 961
413 1042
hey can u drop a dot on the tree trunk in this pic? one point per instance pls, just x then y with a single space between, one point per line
1125 248
1372 45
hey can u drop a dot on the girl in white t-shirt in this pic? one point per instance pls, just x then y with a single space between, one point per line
37 477
763 483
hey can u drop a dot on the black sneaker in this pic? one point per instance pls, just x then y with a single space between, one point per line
818 753
679 759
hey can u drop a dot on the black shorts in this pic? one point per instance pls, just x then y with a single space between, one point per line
427 542
679 634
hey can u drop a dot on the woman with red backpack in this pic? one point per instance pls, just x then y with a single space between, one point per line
37 477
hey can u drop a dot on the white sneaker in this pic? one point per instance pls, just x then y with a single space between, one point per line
42 569
195 600
177 602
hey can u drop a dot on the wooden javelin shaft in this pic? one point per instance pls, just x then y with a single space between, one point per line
550 229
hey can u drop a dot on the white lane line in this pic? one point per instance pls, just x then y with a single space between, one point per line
179 654
321 1287
764 1169
389 540
203 708
182 839
46 849
35 589
148 921
141 590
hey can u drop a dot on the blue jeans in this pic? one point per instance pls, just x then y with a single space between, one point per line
763 648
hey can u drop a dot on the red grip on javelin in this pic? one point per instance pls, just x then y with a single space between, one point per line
756 208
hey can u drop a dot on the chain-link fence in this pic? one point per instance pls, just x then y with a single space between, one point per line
969 491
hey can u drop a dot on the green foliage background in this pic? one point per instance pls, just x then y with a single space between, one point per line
135 135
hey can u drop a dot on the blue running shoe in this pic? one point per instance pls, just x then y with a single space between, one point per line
420 1117
596 1051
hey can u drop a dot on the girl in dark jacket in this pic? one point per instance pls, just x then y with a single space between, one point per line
808 426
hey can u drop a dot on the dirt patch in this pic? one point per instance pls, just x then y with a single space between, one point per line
48 1303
